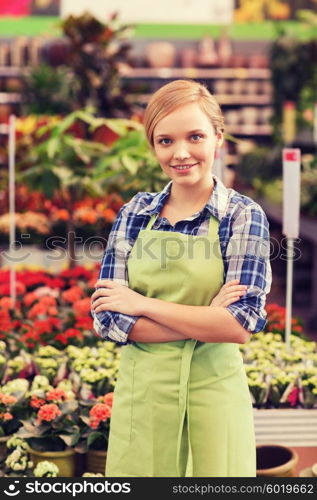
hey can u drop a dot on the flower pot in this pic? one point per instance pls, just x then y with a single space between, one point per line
160 54
275 461
65 460
96 461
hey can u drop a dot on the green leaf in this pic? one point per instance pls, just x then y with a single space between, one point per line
69 407
65 123
49 183
64 174
130 164
93 436
70 439
52 147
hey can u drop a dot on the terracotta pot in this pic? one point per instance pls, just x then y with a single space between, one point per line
65 460
188 58
160 54
258 61
275 461
207 55
96 461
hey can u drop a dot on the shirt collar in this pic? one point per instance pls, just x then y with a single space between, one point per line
217 204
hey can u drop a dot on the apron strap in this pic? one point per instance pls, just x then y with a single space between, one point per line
151 222
213 228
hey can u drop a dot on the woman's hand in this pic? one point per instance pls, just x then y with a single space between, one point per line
229 293
110 296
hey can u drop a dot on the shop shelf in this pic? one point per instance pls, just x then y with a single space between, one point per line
197 73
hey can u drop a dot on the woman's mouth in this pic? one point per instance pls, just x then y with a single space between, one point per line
183 168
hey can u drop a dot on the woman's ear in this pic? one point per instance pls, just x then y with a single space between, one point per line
219 141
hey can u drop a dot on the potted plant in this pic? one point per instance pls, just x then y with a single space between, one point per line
95 433
130 166
12 409
53 430
96 53
62 157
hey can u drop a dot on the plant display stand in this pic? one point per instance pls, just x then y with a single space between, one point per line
288 427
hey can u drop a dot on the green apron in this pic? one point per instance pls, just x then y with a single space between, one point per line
180 408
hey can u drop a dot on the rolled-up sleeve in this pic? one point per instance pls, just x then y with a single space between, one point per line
111 325
248 260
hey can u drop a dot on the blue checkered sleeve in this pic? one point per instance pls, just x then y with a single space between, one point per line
111 325
247 259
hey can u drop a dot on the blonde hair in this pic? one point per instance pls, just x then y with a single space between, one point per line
176 94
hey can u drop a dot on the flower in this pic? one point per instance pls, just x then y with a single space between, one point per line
100 412
92 474
96 420
276 320
107 399
18 460
16 442
82 307
72 294
46 469
56 395
12 407
53 425
48 412
36 402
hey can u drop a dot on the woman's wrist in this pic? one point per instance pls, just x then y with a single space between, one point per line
146 306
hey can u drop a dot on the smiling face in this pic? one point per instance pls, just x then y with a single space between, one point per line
184 143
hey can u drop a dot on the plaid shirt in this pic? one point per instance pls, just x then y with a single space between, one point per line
244 241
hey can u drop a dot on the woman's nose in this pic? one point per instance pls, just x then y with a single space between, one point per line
181 152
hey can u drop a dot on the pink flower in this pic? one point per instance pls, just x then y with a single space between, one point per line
56 395
48 413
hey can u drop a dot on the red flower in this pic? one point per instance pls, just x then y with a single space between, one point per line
7 399
29 298
36 402
85 323
6 325
6 303
73 332
56 395
72 294
55 283
82 307
46 305
48 412
100 412
107 399
19 288
68 334
6 416
61 338
293 396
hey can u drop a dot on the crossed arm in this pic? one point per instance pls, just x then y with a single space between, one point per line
162 321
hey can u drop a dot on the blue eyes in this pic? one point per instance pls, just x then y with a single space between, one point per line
166 141
196 136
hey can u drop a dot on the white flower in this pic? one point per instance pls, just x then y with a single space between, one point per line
46 469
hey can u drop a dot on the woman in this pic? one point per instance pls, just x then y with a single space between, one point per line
183 283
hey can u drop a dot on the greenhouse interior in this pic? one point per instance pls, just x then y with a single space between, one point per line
75 80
